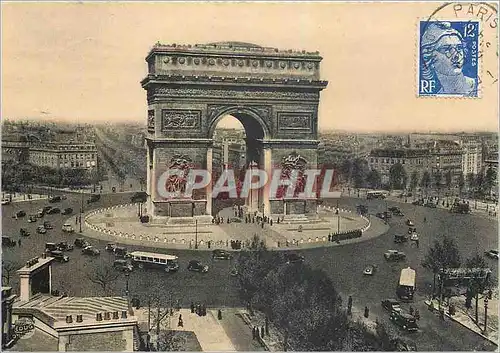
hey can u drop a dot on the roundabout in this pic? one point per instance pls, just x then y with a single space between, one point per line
121 224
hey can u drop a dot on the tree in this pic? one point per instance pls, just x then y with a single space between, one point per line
374 179
448 177
471 181
441 256
359 171
490 178
480 183
461 183
438 179
426 180
478 283
346 170
414 180
397 176
104 276
8 268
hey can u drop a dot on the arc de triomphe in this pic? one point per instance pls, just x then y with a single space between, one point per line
273 93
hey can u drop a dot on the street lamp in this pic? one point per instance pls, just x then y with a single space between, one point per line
485 313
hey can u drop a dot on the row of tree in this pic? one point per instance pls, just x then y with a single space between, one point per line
303 303
443 256
357 173
17 175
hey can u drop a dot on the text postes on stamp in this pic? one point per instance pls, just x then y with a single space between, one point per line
448 58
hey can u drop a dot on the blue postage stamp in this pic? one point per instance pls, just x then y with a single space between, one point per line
448 58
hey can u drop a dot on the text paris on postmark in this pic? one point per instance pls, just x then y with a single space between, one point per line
458 50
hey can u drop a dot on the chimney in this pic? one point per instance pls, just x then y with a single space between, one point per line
69 319
98 317
115 315
124 314
79 318
107 315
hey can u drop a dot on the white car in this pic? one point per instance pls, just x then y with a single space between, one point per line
409 223
68 228
5 202
414 237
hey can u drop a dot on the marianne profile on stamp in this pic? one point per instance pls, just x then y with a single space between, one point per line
448 58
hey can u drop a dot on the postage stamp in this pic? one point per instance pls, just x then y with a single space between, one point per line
448 58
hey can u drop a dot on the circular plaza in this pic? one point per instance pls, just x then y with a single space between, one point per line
120 224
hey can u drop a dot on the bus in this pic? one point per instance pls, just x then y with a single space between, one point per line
142 259
406 287
375 195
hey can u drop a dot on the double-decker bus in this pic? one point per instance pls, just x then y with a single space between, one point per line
142 259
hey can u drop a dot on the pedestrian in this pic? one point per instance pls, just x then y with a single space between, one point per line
19 242
417 315
411 310
271 221
416 242
278 244
425 219
262 331
367 312
349 305
192 307
180 323
329 237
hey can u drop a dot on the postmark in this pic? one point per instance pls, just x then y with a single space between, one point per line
24 328
457 51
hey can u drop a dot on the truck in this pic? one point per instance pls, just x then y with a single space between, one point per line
406 287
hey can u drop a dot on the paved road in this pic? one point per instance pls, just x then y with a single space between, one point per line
344 264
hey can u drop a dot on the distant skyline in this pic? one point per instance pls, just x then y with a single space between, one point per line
82 62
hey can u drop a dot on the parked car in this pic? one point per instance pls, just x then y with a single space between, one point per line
90 250
24 232
123 265
81 243
409 223
40 213
5 202
19 214
391 305
412 230
197 266
41 230
54 210
394 255
46 208
54 199
220 254
7 241
47 225
294 258
492 254
68 228
59 256
32 218
120 251
67 211
64 246
400 238
369 270
405 321
94 198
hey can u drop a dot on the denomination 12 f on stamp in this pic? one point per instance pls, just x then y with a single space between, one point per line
448 58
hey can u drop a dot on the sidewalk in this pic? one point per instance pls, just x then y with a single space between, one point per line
208 330
466 317
21 197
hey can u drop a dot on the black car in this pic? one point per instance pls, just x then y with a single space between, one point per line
89 250
81 243
120 251
391 305
51 247
24 232
54 210
197 266
293 258
64 246
41 230
47 225
19 214
123 265
55 199
400 238
67 211
140 196
46 208
220 254
405 321
59 256
94 198
7 241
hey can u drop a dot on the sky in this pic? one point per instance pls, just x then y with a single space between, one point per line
83 61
